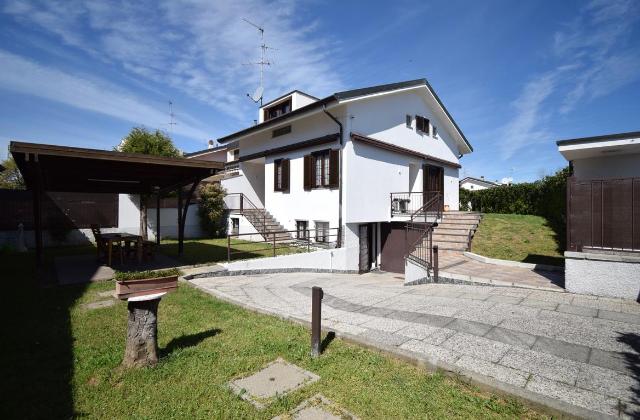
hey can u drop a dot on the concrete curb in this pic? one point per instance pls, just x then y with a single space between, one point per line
507 263
453 278
549 405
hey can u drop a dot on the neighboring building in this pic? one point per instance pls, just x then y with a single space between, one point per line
603 215
356 162
474 184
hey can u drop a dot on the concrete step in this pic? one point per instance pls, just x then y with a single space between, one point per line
460 217
451 247
451 231
450 236
447 224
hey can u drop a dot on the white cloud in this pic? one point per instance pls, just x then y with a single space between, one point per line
195 46
591 61
28 77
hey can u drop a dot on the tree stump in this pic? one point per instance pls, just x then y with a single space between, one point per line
142 334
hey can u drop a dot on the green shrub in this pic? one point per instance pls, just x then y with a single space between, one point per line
211 210
148 274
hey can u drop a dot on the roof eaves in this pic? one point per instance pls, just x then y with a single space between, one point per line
435 95
205 151
594 139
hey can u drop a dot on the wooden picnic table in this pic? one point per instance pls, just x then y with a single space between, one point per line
125 239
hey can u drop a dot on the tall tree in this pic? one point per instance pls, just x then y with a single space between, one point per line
10 177
141 140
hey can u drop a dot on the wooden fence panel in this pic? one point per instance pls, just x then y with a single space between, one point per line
60 210
603 213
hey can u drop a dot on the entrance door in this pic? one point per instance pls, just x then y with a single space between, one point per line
365 248
433 184
393 244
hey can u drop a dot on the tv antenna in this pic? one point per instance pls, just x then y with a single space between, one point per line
257 94
172 121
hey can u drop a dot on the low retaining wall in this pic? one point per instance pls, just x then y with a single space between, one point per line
329 260
613 275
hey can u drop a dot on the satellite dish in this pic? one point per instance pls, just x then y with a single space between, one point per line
257 95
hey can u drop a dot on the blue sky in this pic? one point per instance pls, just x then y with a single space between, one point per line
516 75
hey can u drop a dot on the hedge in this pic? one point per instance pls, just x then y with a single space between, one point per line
545 197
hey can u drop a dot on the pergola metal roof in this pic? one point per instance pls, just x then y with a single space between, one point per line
73 169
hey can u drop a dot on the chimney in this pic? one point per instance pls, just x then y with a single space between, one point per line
482 177
210 144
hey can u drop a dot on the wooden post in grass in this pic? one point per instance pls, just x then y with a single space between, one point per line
142 334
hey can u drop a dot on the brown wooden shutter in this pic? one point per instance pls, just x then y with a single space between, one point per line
308 172
285 175
419 123
334 168
275 174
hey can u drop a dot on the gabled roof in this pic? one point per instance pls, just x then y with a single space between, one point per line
479 180
287 94
344 96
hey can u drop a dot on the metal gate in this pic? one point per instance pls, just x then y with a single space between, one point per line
603 213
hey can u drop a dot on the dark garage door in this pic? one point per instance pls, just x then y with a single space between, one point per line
392 236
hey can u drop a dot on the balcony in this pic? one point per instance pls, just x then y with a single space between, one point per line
413 204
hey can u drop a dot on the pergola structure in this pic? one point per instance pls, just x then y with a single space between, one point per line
71 169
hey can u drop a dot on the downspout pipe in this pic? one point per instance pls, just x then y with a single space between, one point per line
324 109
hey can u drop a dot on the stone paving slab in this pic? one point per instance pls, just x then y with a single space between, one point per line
317 407
575 353
277 378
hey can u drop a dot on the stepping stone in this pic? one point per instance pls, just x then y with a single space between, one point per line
317 408
108 293
277 378
99 304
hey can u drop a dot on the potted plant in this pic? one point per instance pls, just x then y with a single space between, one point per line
143 291
142 283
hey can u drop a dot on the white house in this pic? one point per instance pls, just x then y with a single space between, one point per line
345 169
603 215
474 184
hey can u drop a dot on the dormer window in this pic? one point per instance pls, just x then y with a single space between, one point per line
277 110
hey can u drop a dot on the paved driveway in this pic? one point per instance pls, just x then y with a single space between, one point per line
573 352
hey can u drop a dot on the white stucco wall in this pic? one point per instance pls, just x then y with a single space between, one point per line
324 260
602 275
295 204
605 167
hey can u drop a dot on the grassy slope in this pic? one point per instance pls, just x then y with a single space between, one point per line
518 238
61 360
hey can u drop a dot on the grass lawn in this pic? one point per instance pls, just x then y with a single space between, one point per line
199 251
518 238
60 360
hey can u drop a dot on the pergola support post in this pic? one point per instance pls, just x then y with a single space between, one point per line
182 214
180 230
158 218
37 222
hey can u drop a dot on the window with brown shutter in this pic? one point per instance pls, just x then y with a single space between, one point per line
308 172
422 124
281 175
334 167
277 175
285 175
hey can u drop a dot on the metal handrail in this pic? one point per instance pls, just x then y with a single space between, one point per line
287 239
423 209
260 228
